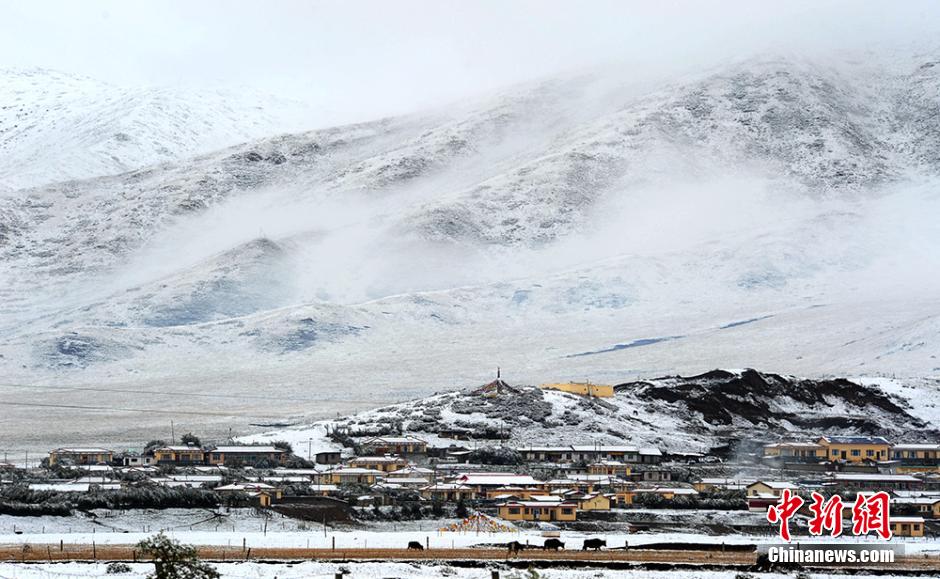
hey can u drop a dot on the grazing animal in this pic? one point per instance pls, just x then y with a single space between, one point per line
515 547
553 544
415 545
595 544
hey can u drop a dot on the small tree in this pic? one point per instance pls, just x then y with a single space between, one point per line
284 445
153 445
190 439
175 561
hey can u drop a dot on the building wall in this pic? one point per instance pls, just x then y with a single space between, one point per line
583 389
907 529
855 452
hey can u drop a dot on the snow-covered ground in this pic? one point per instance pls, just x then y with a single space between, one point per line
315 570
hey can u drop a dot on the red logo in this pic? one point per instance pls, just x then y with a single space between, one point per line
783 511
870 513
826 515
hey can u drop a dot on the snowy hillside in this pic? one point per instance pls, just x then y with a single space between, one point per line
680 414
771 213
56 127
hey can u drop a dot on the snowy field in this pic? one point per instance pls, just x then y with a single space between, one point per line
316 570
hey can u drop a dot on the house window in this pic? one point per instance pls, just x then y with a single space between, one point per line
513 510
835 452
916 527
856 452
869 452
566 511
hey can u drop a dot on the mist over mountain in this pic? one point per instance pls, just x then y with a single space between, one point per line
775 213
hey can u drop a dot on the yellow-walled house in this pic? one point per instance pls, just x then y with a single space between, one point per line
80 456
855 448
593 502
250 455
380 463
624 497
537 511
448 492
907 526
179 455
769 489
582 388
610 467
339 476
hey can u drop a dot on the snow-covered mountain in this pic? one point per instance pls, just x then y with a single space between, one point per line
772 213
56 126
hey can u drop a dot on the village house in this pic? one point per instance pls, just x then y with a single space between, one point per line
512 492
323 490
924 506
907 526
80 456
400 445
380 463
251 455
651 475
582 389
854 448
328 457
917 457
590 454
344 476
668 493
412 471
545 511
482 481
592 502
772 489
762 494
448 492
135 460
611 468
721 484
179 455
261 494
795 451
875 481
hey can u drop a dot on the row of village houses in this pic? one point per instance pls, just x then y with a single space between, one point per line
522 497
826 449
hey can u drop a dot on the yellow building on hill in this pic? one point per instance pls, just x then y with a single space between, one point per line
854 448
582 389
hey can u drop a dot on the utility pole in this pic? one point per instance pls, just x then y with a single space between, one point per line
172 433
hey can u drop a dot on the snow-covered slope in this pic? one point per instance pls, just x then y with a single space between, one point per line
680 414
770 213
56 126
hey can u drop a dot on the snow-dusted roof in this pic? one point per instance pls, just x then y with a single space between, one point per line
916 447
246 449
775 484
496 479
874 477
82 450
855 439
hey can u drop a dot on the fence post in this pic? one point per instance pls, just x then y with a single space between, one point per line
427 542
334 542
